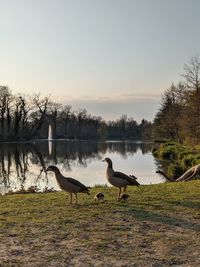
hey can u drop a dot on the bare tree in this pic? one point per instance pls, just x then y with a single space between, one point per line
192 74
66 115
5 98
19 114
81 115
40 106
192 108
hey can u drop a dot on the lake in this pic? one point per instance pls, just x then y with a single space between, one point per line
23 164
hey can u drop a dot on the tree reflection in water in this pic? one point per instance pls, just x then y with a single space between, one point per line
21 162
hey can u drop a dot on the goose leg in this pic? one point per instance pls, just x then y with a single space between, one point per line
119 194
70 198
124 189
76 198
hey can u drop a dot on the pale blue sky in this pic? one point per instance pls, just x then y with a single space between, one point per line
109 56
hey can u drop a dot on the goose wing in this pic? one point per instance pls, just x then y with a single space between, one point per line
121 175
77 183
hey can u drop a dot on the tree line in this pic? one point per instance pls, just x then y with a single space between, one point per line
178 117
28 117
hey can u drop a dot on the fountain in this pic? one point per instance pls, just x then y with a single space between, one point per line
50 139
50 133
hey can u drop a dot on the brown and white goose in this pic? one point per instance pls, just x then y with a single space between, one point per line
119 179
68 184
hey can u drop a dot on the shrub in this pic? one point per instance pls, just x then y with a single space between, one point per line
175 170
189 160
167 153
155 152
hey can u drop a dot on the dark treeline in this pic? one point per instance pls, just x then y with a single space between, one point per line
179 115
28 117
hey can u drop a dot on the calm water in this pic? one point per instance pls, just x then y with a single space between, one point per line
22 165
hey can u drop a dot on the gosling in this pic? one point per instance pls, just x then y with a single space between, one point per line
98 197
124 197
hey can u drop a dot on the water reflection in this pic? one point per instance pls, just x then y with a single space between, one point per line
23 164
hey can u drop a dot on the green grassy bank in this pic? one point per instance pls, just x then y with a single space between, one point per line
158 226
182 157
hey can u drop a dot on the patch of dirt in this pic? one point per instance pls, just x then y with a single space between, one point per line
110 243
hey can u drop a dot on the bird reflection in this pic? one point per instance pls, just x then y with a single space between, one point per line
20 161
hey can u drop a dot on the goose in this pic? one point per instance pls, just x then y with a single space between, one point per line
119 179
99 196
68 184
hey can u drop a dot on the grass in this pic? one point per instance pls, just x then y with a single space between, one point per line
175 151
182 157
158 226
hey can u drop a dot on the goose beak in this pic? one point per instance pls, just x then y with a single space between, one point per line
103 160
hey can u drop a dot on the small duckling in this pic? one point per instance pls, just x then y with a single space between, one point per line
99 196
124 197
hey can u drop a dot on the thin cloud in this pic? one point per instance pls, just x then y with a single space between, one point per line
141 96
138 106
115 99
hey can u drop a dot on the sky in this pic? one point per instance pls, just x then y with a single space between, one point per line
111 57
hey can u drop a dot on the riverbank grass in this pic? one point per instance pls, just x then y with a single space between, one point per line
182 157
158 226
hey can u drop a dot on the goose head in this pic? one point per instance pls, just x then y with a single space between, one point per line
52 169
109 161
